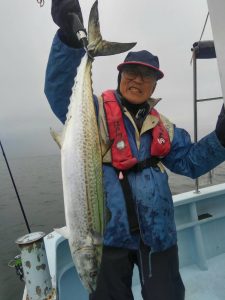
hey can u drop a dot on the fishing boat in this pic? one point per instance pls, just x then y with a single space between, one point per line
200 219
199 216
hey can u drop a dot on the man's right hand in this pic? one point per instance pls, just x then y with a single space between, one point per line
63 14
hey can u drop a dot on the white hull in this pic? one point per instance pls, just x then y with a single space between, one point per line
200 220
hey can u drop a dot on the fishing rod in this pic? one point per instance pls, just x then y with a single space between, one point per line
15 188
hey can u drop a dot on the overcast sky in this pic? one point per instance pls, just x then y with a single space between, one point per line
166 28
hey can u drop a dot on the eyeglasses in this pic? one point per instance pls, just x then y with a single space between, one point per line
132 72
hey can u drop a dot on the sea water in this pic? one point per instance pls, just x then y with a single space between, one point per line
38 180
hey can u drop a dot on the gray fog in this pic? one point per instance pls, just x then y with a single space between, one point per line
166 28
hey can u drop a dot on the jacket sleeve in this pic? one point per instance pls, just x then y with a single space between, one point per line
194 159
60 73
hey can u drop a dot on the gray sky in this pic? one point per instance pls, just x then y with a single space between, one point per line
166 28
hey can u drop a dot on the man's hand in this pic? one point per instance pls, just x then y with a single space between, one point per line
220 126
65 14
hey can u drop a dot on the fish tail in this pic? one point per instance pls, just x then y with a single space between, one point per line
96 45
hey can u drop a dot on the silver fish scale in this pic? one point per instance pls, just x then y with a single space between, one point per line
82 174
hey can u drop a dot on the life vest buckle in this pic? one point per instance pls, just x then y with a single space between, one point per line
147 163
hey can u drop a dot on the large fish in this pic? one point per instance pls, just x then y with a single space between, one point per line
81 162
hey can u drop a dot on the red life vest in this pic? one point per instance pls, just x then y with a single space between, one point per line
122 158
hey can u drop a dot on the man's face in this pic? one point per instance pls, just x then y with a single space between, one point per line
137 83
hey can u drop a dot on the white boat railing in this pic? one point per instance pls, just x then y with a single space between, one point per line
201 50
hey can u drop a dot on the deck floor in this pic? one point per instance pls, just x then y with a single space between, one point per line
201 285
207 285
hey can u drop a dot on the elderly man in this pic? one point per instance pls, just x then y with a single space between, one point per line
140 227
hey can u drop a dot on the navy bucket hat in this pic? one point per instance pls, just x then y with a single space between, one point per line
143 58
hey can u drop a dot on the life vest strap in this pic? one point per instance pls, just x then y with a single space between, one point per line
147 163
130 206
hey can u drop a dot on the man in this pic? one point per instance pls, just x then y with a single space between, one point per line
140 227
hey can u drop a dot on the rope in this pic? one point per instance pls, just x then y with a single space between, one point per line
203 30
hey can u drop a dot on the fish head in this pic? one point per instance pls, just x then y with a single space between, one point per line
86 254
88 265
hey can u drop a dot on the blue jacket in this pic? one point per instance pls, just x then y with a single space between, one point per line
150 189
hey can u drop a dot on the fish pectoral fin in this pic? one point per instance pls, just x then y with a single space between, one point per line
57 137
63 231
96 237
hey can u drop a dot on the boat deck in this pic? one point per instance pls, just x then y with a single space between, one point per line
207 285
200 220
200 285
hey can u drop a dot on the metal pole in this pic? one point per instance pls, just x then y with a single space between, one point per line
15 188
195 109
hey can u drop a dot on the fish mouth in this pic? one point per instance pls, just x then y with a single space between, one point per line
91 282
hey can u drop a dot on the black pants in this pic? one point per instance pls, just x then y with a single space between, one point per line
159 274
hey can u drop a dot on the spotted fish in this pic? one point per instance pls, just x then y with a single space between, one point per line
81 162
